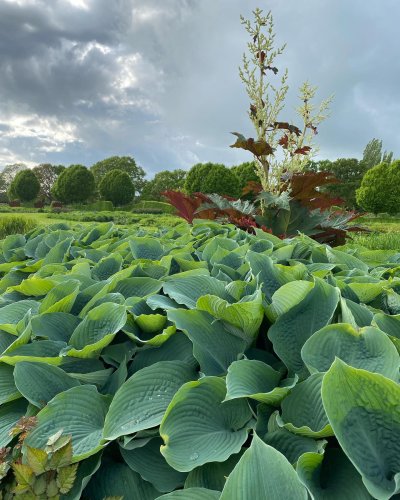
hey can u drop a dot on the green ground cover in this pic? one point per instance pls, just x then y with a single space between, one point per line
193 359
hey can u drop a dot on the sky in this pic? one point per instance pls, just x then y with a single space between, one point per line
81 80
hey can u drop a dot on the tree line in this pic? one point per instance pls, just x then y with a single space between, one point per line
362 183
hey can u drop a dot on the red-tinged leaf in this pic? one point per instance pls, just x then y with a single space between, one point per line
302 151
284 141
313 128
304 187
185 205
286 126
253 110
252 188
258 148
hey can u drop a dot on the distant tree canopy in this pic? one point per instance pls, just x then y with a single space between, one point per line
212 178
74 184
25 186
47 175
165 180
8 174
245 172
373 154
124 163
116 186
380 189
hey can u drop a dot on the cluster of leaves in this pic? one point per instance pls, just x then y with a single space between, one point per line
380 189
203 362
301 207
212 178
74 184
116 186
37 473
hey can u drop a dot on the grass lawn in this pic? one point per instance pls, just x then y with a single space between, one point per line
385 233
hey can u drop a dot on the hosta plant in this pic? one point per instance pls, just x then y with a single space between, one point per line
198 362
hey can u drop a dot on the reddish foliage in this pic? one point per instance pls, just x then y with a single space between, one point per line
15 203
304 188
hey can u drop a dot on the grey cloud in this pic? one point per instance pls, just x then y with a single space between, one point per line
157 79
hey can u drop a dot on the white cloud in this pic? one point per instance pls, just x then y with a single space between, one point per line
79 4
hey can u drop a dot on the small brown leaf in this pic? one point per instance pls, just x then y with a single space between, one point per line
258 148
302 151
286 126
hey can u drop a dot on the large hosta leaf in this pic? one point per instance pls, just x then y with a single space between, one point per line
291 330
192 494
40 382
12 314
97 329
214 346
188 289
212 475
80 413
330 476
256 380
303 412
152 466
198 427
364 412
142 400
246 315
8 390
368 348
117 480
263 472
10 413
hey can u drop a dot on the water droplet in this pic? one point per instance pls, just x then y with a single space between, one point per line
194 456
150 398
159 395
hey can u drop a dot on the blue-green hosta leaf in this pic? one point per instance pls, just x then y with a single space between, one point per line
146 248
246 315
272 276
286 297
350 261
358 315
291 445
212 475
107 266
330 476
293 328
54 326
214 346
10 413
97 329
364 412
137 286
141 401
152 467
388 324
303 412
263 472
187 290
80 413
115 479
40 382
61 298
250 378
366 292
368 348
151 323
44 351
12 314
13 247
58 253
176 347
192 494
8 390
198 427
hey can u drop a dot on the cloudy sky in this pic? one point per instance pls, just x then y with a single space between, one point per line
81 80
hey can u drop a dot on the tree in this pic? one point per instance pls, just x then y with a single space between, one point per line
124 163
373 154
8 174
116 186
196 176
165 180
74 184
47 175
212 178
380 189
245 172
25 186
349 172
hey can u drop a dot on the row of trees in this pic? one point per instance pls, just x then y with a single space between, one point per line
119 179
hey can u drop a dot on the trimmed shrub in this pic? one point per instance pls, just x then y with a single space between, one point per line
380 189
245 172
212 178
74 184
25 186
116 186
